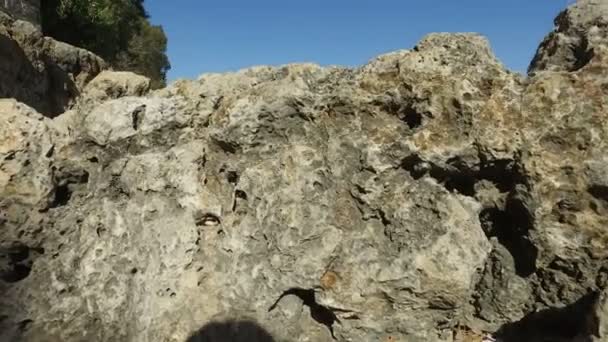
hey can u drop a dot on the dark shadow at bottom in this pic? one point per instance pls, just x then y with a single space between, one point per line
567 323
231 331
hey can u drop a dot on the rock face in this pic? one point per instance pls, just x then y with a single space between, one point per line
28 10
430 195
39 71
581 32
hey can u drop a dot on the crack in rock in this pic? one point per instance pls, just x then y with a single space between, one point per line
320 313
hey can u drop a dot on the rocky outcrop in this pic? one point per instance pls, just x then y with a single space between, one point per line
114 84
39 71
28 10
581 32
430 195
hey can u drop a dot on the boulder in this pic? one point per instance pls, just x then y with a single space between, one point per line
429 195
114 84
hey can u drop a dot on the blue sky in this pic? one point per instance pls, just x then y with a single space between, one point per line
224 35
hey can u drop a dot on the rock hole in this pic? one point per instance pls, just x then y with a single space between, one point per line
62 196
511 227
217 103
137 116
238 195
321 314
226 146
411 117
457 105
50 152
504 173
65 188
382 216
455 180
361 190
18 273
16 262
232 177
458 176
583 54
241 194
415 166
452 178
24 325
599 191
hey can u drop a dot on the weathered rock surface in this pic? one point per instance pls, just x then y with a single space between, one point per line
46 74
114 84
430 195
581 33
28 10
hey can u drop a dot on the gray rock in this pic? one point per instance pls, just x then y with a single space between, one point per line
114 84
117 120
45 74
580 36
26 150
28 10
429 195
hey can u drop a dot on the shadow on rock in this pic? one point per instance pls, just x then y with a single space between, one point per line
570 323
231 331
47 88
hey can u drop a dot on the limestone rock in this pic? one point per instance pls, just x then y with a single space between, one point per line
115 84
28 10
26 148
580 35
428 195
117 120
39 71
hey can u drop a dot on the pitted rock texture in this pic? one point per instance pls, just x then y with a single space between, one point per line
581 32
430 195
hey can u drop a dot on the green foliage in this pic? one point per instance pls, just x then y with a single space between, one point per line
146 54
116 30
